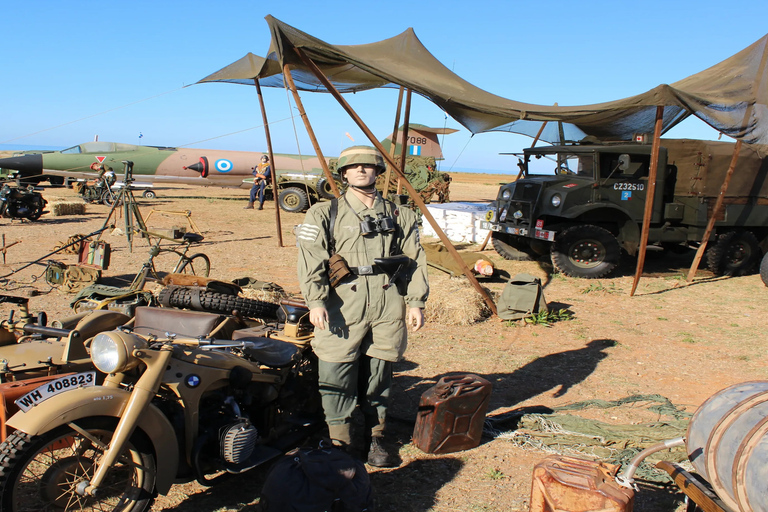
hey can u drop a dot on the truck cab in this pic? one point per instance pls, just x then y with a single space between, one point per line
582 203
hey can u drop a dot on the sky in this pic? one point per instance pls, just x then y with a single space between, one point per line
126 71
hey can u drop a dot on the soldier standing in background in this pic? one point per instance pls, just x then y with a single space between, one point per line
261 176
360 312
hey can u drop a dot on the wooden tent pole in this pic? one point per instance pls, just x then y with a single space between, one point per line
715 212
414 195
393 146
649 197
310 132
404 148
271 163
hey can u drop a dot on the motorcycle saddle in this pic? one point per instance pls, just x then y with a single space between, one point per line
268 351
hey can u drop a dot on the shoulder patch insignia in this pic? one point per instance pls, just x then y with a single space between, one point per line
308 232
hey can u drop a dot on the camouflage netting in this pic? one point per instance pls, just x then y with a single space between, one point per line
422 174
568 434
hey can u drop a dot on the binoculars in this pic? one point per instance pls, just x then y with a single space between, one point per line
380 224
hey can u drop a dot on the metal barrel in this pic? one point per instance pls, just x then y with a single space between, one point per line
727 442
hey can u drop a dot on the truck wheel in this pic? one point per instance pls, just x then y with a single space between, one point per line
511 247
324 189
764 270
585 251
293 200
734 253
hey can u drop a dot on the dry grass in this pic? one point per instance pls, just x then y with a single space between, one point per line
453 301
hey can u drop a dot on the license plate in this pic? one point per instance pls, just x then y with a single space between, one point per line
54 387
543 234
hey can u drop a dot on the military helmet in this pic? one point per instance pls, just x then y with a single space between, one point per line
357 155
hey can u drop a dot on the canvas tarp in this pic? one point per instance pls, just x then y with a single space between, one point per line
731 96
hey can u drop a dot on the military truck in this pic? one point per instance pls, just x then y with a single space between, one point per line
298 190
584 204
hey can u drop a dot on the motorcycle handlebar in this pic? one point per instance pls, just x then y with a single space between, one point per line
51 332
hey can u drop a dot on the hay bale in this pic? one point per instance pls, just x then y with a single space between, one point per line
67 208
454 302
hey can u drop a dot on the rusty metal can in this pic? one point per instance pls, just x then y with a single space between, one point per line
578 485
451 414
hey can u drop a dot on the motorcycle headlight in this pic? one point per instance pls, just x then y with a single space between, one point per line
112 352
506 194
556 200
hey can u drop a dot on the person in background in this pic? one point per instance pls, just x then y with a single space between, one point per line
360 308
262 173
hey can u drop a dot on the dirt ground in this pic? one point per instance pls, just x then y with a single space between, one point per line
683 341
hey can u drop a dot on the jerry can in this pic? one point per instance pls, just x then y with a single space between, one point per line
577 485
451 414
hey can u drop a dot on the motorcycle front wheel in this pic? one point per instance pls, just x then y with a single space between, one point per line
43 472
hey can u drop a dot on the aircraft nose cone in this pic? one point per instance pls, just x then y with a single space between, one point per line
26 164
196 167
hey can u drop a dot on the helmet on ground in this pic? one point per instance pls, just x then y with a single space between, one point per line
365 155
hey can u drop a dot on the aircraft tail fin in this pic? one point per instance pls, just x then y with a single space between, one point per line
422 141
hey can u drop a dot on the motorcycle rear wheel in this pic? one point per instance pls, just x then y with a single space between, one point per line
41 472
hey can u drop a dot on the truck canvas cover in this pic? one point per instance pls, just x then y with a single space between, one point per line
702 165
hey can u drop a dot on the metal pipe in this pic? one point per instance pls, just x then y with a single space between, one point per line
627 477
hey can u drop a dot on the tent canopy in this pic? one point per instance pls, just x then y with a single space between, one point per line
731 96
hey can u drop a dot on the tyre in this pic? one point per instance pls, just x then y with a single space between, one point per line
324 189
293 200
149 194
764 270
107 198
585 251
42 472
734 253
197 265
56 181
189 297
511 247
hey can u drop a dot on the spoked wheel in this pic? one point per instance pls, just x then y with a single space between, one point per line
42 473
196 265
586 251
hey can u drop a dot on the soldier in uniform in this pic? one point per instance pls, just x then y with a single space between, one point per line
261 175
359 311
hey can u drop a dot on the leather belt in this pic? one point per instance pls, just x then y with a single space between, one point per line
366 270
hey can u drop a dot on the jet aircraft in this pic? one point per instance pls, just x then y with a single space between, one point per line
192 166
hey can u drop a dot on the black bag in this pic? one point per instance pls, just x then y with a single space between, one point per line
522 297
317 480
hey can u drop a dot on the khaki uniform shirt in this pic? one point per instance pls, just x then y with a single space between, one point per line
360 304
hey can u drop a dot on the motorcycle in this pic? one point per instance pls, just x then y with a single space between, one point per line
21 203
187 394
99 190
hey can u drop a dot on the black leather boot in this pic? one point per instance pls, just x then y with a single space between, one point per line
382 455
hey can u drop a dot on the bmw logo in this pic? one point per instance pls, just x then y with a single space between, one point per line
223 165
518 214
192 381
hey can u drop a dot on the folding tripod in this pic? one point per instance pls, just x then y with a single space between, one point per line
124 198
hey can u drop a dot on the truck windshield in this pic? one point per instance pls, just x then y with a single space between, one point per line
582 165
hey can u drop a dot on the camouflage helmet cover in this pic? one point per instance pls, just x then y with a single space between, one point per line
357 155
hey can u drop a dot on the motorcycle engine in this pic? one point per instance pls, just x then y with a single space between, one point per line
238 441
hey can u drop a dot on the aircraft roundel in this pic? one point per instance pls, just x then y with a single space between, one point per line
223 165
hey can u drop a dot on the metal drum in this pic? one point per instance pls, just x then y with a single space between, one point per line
727 443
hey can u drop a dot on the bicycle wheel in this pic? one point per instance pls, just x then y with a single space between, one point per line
196 265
